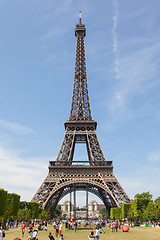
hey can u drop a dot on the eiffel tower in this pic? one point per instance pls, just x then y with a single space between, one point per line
96 174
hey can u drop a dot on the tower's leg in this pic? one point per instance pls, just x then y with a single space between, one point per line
74 204
87 204
70 205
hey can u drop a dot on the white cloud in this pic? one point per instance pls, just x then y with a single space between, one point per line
137 76
19 174
138 184
154 156
15 127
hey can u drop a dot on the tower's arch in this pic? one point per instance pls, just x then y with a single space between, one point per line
91 186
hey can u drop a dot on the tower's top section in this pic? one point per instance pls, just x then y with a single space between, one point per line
80 28
80 107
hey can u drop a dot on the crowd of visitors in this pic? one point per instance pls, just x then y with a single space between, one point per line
97 228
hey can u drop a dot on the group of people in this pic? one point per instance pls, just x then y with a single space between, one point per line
100 228
115 225
58 228
96 236
51 236
71 225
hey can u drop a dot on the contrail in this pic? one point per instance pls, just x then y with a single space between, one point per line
115 36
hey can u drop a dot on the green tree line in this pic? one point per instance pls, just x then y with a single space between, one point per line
12 209
140 209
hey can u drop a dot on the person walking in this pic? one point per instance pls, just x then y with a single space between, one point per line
97 233
103 226
57 228
60 228
116 225
75 226
23 226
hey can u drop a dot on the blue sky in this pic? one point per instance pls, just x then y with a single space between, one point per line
37 70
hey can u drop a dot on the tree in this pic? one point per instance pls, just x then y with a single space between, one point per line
43 214
13 201
139 206
145 195
104 212
151 211
22 215
34 207
115 213
112 213
125 209
28 211
57 212
157 200
64 215
118 213
3 201
130 214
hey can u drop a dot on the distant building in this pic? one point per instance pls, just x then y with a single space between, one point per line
93 210
65 208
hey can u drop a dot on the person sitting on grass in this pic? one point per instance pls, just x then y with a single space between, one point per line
1 233
91 236
51 236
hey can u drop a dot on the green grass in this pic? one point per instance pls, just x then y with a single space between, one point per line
137 233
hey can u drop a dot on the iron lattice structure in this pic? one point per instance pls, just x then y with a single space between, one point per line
96 174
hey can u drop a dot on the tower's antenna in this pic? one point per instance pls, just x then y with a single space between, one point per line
80 17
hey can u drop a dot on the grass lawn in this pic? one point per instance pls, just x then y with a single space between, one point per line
137 233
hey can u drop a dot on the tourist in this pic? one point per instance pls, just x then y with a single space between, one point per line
119 225
103 226
91 236
1 233
71 225
54 225
57 228
45 223
40 227
66 224
75 226
122 224
61 237
116 225
23 226
111 226
51 236
30 231
10 224
97 233
60 228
